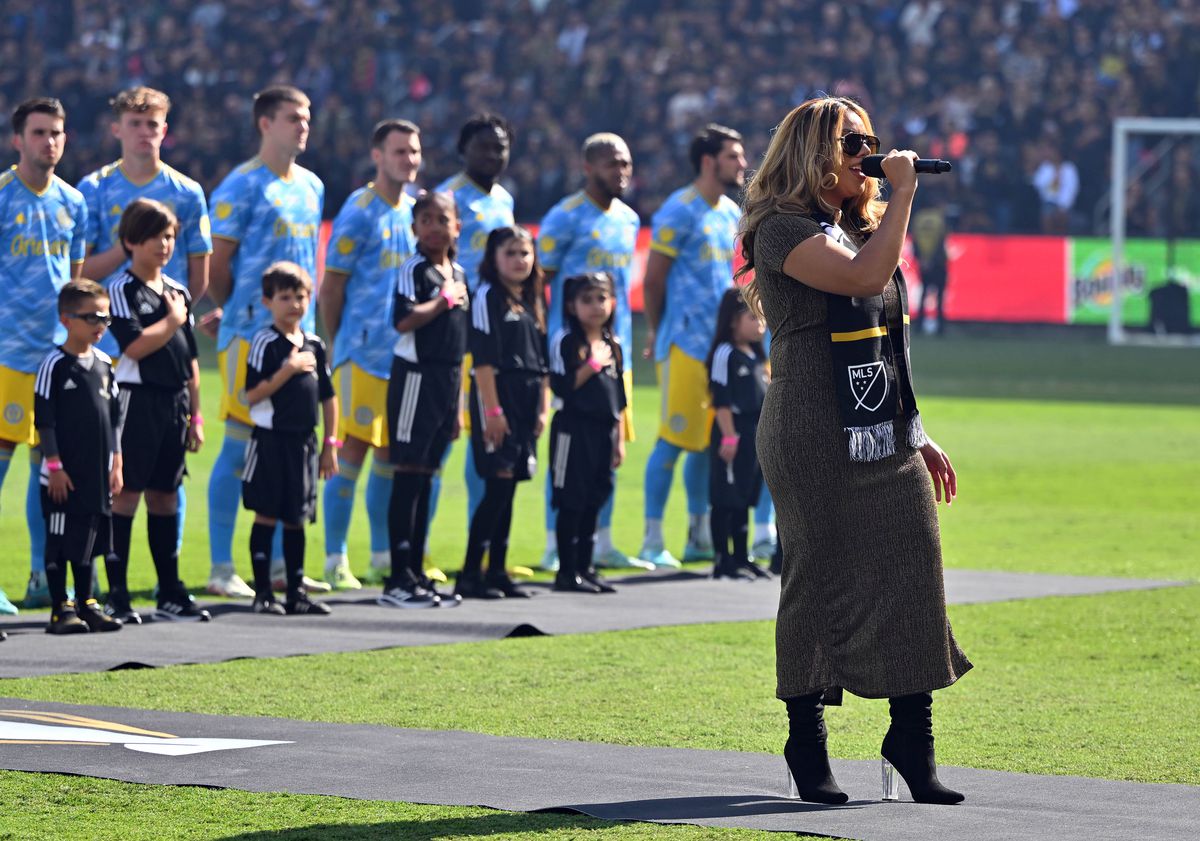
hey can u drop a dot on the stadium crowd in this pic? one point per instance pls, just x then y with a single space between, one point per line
1020 93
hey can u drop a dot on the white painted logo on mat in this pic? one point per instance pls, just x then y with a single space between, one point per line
868 382
35 727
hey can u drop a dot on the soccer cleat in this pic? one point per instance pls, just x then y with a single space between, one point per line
37 592
225 582
379 569
268 606
658 557
696 551
119 608
304 606
7 608
411 598
180 607
549 561
64 620
95 618
435 574
444 599
616 559
763 550
338 574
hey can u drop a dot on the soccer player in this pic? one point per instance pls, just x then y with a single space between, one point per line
689 268
140 124
483 206
266 210
43 222
372 237
594 231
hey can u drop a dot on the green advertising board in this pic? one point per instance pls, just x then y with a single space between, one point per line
1146 267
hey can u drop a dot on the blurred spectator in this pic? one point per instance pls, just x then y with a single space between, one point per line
1057 183
979 82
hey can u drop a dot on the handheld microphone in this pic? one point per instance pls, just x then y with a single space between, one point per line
872 165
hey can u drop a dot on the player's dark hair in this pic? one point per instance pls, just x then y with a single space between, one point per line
144 219
384 128
285 276
139 100
77 292
37 105
708 141
576 285
482 122
268 100
532 287
435 200
732 305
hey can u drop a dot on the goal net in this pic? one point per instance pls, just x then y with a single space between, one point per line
1154 282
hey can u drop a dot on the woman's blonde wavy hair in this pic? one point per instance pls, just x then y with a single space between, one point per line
799 164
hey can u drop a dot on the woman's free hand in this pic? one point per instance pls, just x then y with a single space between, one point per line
945 481
495 430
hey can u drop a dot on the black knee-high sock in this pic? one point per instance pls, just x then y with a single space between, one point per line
162 532
483 525
406 490
498 546
116 564
566 532
585 542
420 530
293 559
739 528
82 572
720 521
261 537
56 574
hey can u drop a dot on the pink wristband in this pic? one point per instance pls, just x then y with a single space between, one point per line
333 442
445 293
197 419
595 366
495 412
729 440
54 464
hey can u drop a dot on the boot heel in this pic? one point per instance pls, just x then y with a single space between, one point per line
793 791
891 781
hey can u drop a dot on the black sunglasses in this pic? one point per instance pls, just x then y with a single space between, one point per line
92 318
853 143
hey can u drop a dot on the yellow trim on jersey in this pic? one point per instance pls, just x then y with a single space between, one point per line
16 407
627 377
250 165
224 237
372 191
7 178
29 187
686 409
576 200
664 249
858 335
120 164
362 405
231 362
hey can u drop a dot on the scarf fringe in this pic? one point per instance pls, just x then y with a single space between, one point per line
872 443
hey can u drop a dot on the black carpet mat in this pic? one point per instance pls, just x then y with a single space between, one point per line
669 785
358 624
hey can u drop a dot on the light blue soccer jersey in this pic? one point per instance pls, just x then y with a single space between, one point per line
480 213
371 238
271 219
698 237
41 236
108 191
577 237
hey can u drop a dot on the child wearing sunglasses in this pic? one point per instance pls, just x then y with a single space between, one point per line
78 418
159 379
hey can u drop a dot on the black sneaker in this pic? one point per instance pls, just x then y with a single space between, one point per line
302 605
753 568
592 577
444 599
268 606
507 586
476 587
95 618
410 597
64 620
573 584
180 607
117 606
728 568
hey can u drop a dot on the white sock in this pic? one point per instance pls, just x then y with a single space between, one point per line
699 529
764 532
604 543
333 561
551 540
653 539
381 560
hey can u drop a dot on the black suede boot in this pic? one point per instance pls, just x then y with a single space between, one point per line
908 746
805 752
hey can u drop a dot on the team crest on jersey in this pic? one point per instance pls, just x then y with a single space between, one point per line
20 220
345 245
548 244
69 385
665 235
364 415
145 308
223 209
743 371
868 384
14 413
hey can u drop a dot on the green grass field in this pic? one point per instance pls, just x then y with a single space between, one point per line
1072 458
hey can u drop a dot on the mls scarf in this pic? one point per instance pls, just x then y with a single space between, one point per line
871 370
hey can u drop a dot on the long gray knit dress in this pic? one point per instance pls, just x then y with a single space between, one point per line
863 605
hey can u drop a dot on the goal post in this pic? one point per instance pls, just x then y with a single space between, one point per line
1123 129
